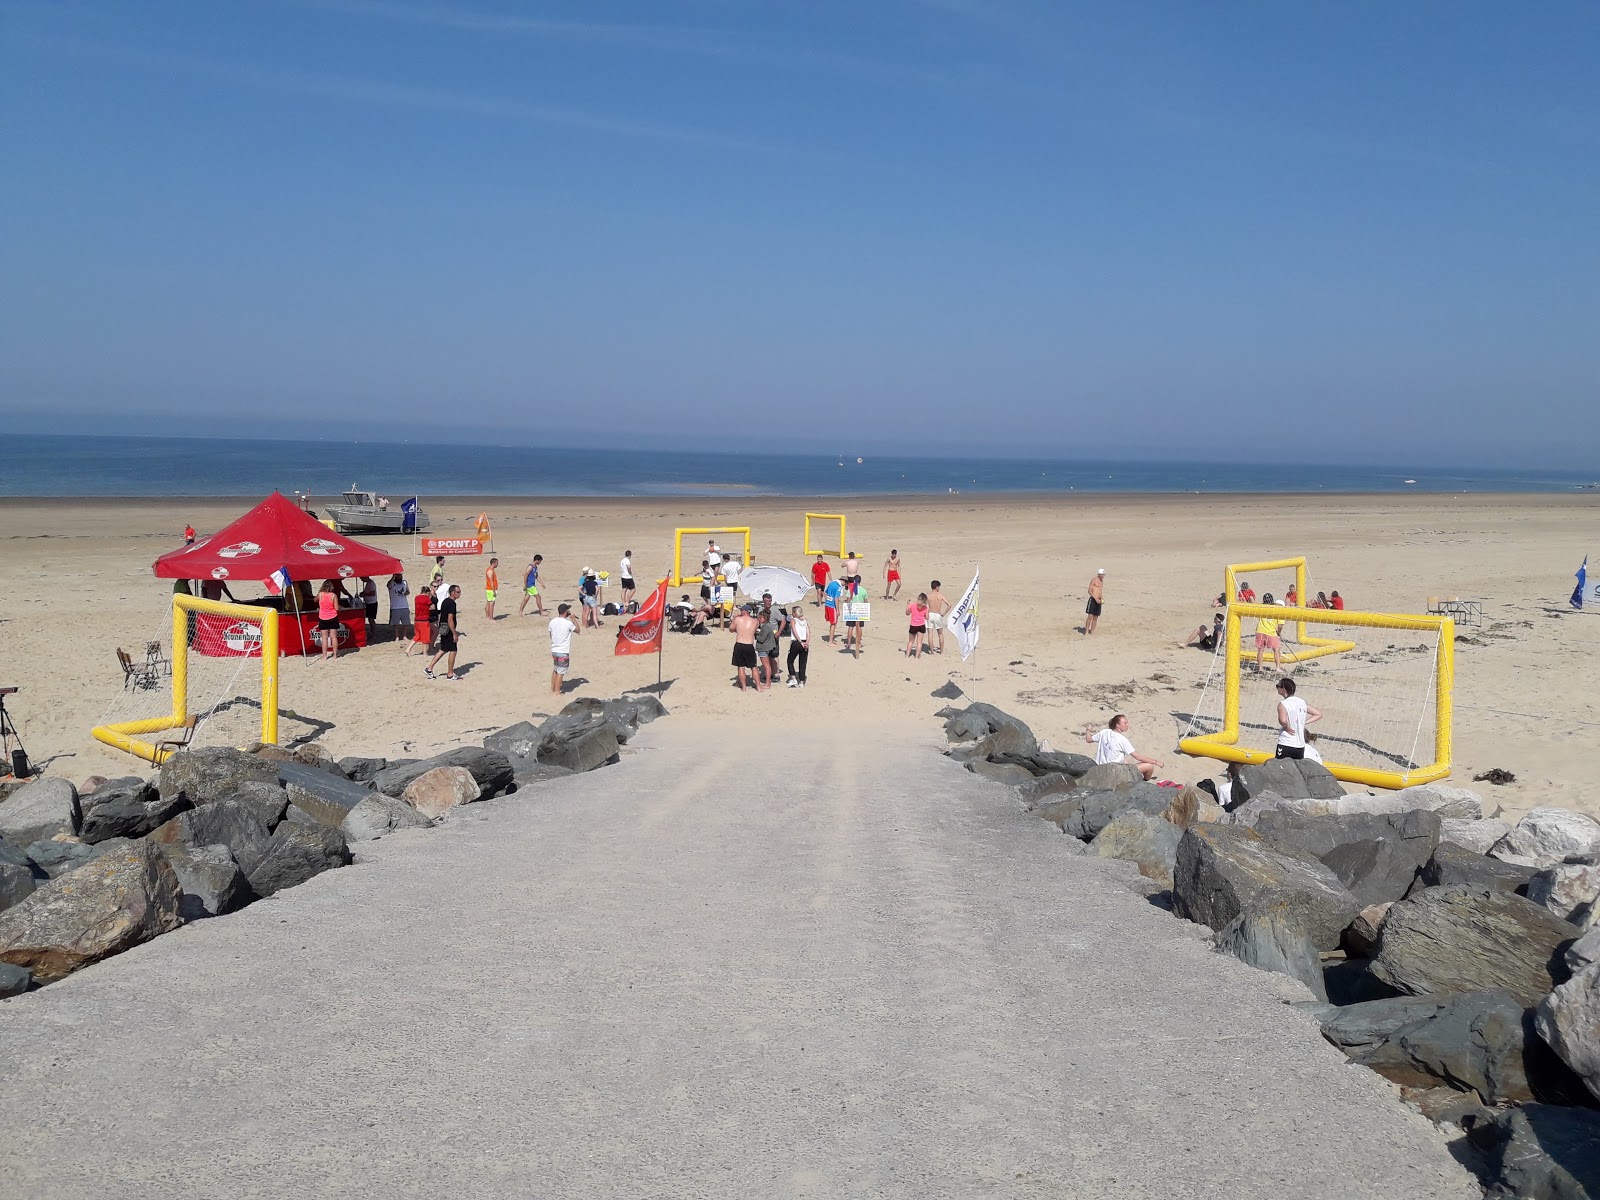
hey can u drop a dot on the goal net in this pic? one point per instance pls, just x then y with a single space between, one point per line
686 560
1385 696
218 685
1286 582
824 529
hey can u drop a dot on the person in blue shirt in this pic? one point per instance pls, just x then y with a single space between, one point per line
830 606
530 588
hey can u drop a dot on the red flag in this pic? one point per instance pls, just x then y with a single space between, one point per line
641 634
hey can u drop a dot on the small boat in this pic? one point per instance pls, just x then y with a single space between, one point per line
1411 481
365 512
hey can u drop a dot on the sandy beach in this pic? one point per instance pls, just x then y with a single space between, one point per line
80 586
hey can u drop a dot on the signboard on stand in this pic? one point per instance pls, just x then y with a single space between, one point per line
432 547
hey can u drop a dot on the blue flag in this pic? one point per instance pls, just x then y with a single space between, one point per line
1583 582
408 518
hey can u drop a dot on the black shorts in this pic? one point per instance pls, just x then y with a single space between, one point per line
773 654
447 641
1290 752
744 655
1093 608
328 623
705 592
627 585
918 630
372 613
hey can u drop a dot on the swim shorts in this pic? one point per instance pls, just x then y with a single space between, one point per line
488 594
918 630
562 662
1266 641
1093 608
831 613
744 655
894 576
627 585
534 590
935 621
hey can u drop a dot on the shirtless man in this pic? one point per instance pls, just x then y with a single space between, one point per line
1097 596
938 606
744 648
891 575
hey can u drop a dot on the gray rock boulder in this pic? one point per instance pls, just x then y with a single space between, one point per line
515 741
490 769
379 815
19 875
103 908
1273 938
60 855
624 713
1225 870
231 823
1360 937
529 771
1452 865
14 980
1083 814
128 812
1280 776
39 810
210 881
268 801
1319 834
1569 1020
1540 1152
1455 939
1479 1041
577 746
435 793
1457 802
1045 788
297 851
980 720
1477 836
1380 871
361 770
1149 842
1048 762
1584 951
1008 740
326 797
999 772
1104 777
1567 889
209 773
1546 836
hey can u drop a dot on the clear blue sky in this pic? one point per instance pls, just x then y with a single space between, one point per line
1354 231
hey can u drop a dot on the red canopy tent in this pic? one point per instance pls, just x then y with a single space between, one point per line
273 534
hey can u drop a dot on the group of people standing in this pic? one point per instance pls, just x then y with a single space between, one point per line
841 597
758 633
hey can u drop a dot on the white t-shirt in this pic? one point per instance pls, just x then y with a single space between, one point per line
714 558
730 571
398 591
369 592
1295 709
561 631
627 567
1111 747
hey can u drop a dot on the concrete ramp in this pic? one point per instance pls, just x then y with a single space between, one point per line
758 962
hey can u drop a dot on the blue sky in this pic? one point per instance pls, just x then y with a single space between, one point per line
1353 231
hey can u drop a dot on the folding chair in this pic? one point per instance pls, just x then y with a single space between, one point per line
137 675
179 738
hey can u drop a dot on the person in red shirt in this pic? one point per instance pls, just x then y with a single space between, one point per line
1246 594
188 535
1337 601
422 621
819 577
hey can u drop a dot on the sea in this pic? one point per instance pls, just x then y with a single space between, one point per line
64 466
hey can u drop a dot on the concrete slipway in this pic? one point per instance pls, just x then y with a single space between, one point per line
759 962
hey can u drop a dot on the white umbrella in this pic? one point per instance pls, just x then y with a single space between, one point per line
786 586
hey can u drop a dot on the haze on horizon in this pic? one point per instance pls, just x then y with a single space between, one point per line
1356 233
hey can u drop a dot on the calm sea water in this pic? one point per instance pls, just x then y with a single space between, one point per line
36 465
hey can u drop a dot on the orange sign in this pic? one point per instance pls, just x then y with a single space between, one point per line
431 547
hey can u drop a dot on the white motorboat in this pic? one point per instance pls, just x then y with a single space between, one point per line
367 512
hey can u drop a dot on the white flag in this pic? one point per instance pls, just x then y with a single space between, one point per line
963 619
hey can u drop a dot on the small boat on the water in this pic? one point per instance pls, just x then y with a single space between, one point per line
1411 481
366 512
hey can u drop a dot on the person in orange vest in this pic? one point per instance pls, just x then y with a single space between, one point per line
491 585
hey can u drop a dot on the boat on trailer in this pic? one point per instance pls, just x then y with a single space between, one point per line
366 512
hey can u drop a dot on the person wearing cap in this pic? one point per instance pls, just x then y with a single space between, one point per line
562 630
1096 605
589 594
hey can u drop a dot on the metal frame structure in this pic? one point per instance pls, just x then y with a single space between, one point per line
809 550
678 577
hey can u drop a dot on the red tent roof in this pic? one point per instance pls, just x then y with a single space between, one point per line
273 534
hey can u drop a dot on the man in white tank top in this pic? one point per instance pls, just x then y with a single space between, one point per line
1294 714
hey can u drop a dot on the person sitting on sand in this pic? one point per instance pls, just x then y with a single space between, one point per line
1292 596
1336 602
1111 745
1207 637
1320 602
1247 594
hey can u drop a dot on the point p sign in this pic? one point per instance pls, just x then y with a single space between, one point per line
431 547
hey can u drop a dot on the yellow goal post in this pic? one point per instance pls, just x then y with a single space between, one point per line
1306 646
130 735
695 555
810 550
1224 743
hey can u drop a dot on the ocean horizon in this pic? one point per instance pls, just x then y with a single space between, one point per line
65 466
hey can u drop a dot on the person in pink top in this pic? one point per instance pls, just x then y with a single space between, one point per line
328 619
917 610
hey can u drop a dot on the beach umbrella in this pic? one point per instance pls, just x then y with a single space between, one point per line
786 586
